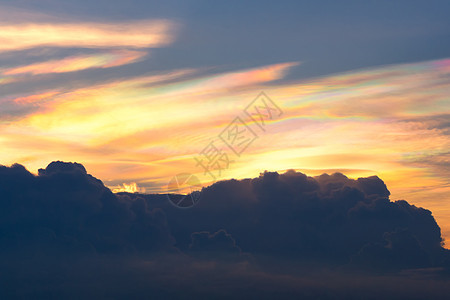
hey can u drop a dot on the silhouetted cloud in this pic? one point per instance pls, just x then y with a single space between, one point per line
64 209
255 237
329 218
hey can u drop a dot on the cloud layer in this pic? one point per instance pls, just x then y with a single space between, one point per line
272 230
329 218
65 210
388 121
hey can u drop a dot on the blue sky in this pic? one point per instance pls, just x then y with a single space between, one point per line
327 36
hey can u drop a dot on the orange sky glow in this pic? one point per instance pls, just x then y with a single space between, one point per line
137 132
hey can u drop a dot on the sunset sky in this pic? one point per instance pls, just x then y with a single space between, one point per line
137 94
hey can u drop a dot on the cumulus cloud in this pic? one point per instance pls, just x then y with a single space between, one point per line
274 232
219 246
63 209
329 218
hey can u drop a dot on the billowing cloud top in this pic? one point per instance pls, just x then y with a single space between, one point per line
273 224
325 218
64 210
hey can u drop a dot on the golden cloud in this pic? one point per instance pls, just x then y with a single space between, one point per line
78 63
141 34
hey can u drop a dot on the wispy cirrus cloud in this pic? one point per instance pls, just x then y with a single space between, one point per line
99 111
35 98
148 128
140 34
110 43
77 63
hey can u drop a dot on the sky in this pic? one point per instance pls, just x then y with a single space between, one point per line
140 91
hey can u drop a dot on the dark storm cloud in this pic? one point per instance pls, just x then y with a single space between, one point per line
64 209
66 234
329 218
219 246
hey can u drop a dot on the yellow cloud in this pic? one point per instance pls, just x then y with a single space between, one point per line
34 98
128 188
78 63
148 129
142 34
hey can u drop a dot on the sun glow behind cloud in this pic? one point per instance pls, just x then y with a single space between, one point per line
146 130
391 121
128 188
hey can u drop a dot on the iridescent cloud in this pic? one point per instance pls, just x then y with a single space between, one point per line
389 121
141 34
77 63
35 98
